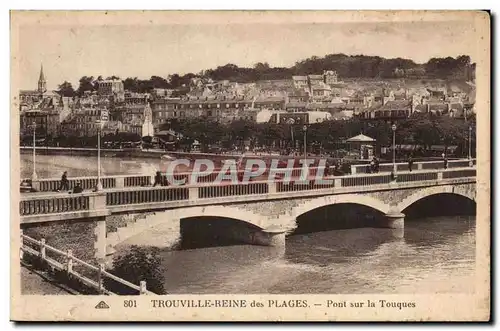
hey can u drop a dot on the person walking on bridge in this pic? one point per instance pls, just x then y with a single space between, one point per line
64 182
157 179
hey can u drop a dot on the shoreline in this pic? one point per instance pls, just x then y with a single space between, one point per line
133 153
156 154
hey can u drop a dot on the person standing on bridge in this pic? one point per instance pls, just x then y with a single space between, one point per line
64 182
410 163
375 164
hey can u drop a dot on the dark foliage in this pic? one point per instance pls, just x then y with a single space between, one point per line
136 265
348 66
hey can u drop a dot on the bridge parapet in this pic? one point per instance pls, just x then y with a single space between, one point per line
124 181
151 198
402 166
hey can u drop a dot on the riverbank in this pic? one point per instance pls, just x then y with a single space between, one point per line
122 153
156 154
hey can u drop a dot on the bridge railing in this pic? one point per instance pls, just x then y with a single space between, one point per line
459 173
62 204
148 195
35 205
66 262
122 181
403 166
199 192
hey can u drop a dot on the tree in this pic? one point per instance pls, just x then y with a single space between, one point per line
66 89
131 84
136 265
86 84
261 66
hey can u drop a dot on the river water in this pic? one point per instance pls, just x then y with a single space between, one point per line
435 255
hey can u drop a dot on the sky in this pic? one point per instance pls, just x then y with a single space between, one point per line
69 52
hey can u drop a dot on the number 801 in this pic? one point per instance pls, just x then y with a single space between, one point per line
129 303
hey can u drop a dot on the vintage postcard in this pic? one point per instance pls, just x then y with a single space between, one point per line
250 166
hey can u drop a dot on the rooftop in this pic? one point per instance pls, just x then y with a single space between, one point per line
360 138
396 105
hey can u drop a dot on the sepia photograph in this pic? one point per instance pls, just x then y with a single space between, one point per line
250 161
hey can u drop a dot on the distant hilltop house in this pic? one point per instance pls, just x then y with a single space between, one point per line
110 87
329 77
397 104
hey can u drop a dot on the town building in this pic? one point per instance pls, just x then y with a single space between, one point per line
330 77
32 99
82 123
391 110
297 96
300 82
110 87
46 123
164 109
44 108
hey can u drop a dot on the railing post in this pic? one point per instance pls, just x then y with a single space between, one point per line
120 182
440 175
420 166
97 201
193 194
21 246
337 182
42 249
271 187
35 185
142 286
69 261
100 278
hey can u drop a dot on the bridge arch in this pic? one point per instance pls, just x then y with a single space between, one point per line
359 199
239 214
171 219
434 190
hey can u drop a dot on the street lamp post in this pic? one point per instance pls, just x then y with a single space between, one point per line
394 168
304 128
99 184
470 145
34 175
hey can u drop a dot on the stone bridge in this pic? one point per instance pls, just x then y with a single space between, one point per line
272 220
268 214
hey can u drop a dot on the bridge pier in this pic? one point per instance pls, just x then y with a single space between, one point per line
393 220
100 238
271 238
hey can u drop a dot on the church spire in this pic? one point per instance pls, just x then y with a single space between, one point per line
42 84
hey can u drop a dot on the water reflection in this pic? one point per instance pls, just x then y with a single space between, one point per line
429 232
325 248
